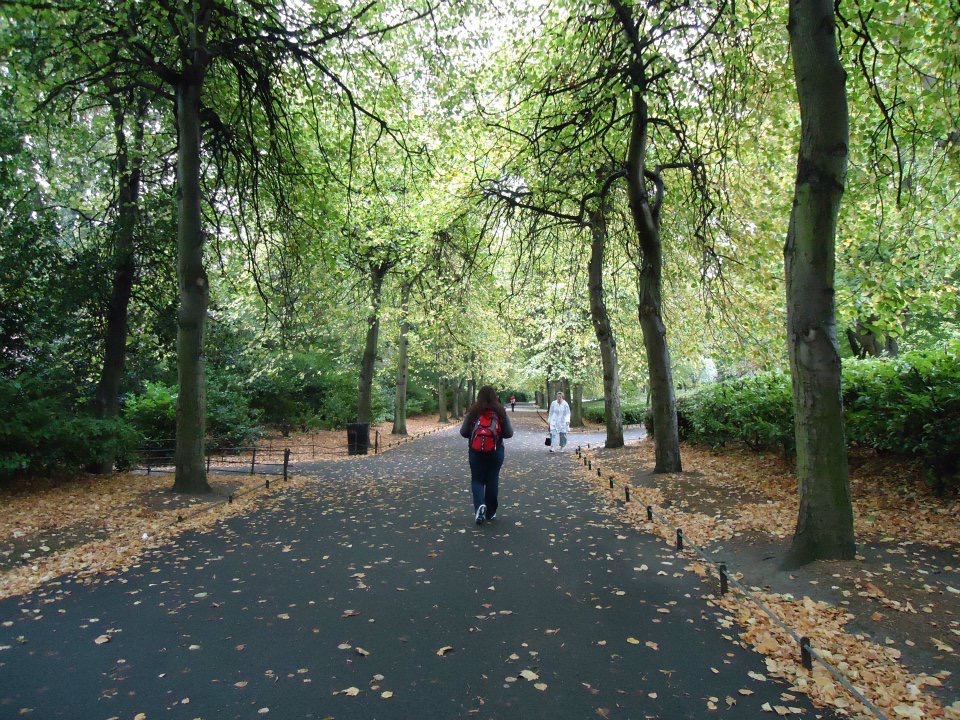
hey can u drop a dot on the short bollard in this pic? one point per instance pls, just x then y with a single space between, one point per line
649 513
268 484
179 518
723 579
611 482
806 658
626 493
229 498
253 460
598 473
589 464
679 539
286 463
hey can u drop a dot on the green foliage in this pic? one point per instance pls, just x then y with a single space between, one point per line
757 410
154 413
632 412
305 389
43 431
910 405
230 420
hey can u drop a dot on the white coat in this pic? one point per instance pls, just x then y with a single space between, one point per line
559 416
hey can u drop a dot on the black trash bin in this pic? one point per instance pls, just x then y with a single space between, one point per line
358 438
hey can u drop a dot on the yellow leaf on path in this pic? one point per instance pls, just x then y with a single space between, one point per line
529 675
941 645
633 641
140 716
444 650
908 711
757 676
102 639
745 691
652 645
350 692
386 694
241 684
540 686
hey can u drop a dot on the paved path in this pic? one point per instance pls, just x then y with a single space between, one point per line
361 580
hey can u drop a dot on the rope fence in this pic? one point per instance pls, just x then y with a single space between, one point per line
807 653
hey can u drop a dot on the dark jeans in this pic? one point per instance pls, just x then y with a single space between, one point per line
485 478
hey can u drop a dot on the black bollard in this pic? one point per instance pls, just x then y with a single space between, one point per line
805 657
649 513
626 493
286 463
679 539
611 482
723 579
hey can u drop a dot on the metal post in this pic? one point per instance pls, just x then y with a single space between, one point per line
376 442
598 473
649 513
229 498
286 462
611 482
253 459
723 579
268 483
626 493
805 657
679 539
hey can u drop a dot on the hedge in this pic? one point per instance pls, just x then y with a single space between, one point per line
908 405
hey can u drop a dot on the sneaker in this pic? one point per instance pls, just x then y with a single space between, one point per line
481 514
493 516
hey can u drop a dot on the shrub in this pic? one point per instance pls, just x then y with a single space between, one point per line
632 413
43 431
909 405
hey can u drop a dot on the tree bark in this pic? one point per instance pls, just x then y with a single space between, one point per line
458 398
612 411
368 363
825 522
576 405
191 474
442 400
400 403
106 402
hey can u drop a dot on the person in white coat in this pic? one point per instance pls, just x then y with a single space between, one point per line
559 421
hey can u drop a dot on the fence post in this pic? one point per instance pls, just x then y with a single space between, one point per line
376 443
208 459
253 460
723 579
286 462
626 493
649 513
679 539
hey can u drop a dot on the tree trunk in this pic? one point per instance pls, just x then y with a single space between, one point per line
471 392
458 398
442 400
825 522
576 406
646 222
368 364
612 412
400 403
106 402
191 474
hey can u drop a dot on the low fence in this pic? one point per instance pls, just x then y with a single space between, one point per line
807 653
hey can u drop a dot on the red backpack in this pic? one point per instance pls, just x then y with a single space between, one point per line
486 432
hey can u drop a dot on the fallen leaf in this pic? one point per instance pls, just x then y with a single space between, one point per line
444 650
101 639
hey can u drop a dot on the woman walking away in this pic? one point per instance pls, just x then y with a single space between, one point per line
485 426
559 420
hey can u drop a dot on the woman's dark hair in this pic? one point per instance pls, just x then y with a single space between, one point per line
487 400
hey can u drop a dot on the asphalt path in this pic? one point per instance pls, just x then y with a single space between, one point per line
369 593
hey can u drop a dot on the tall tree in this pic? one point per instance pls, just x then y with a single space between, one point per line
825 523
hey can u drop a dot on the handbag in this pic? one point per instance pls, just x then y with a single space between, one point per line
547 441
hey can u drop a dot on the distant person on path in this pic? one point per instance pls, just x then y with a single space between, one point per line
513 403
559 420
486 425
